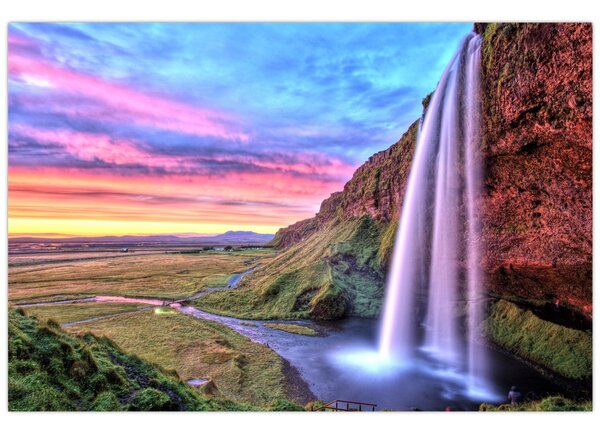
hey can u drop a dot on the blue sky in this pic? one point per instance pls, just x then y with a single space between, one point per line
303 103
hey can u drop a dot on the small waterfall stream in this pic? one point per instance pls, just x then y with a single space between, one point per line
434 289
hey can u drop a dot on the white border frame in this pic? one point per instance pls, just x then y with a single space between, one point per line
272 10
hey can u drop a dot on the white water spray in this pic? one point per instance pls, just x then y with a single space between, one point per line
435 266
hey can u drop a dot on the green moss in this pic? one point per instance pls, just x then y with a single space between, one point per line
357 275
563 350
551 403
362 245
315 405
514 228
50 370
426 100
386 244
106 401
329 303
284 405
487 49
293 328
151 399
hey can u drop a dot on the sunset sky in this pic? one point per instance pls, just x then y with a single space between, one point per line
203 128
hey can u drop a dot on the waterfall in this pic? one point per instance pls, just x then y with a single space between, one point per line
434 296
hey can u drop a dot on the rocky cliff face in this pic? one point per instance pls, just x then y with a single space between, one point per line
537 87
537 144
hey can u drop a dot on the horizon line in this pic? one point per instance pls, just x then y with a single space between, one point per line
179 235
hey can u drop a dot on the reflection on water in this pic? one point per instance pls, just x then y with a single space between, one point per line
119 299
197 382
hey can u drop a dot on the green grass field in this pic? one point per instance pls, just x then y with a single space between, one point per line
242 370
65 313
160 275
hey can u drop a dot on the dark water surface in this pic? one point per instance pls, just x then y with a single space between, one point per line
341 364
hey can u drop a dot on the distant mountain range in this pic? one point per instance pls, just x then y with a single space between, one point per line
229 237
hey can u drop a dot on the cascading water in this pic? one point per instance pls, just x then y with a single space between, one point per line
435 264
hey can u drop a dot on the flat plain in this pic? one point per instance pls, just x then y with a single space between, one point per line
160 275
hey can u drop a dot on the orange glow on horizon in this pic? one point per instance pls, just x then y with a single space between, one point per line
68 202
61 228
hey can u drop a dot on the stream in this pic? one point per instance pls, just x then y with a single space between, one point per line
340 362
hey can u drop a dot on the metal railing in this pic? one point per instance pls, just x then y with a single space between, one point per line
346 405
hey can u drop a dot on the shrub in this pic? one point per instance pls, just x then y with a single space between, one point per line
284 405
106 401
151 399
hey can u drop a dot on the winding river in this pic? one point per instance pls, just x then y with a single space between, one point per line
339 363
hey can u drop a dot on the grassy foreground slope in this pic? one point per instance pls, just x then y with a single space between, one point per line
50 370
239 369
334 272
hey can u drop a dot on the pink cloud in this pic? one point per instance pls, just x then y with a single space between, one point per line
260 198
142 108
92 147
266 187
307 163
15 40
271 188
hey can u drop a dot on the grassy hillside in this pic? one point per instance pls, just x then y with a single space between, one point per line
240 369
563 350
334 272
50 370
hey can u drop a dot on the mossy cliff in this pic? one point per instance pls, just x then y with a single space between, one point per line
558 349
376 190
333 272
537 214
